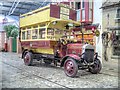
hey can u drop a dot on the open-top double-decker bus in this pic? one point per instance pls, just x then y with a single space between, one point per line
52 34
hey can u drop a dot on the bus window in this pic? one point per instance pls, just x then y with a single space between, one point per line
34 34
42 33
23 35
50 31
58 33
28 34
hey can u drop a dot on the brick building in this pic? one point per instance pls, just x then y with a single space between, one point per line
3 37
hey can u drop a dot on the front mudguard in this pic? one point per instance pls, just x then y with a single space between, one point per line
75 57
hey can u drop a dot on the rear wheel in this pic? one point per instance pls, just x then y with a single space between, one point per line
96 67
28 58
70 67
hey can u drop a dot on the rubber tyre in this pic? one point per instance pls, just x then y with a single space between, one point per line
96 67
70 67
28 58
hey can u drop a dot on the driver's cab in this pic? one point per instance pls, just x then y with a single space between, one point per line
60 32
88 52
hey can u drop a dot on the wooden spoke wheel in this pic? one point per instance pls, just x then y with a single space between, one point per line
96 67
70 67
28 58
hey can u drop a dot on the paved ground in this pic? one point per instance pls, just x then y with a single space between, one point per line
16 75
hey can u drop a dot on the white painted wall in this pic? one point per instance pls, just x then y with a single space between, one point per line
98 19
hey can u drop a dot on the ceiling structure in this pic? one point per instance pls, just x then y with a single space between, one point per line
17 7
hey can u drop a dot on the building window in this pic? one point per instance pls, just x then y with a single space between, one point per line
118 13
108 18
83 14
78 5
90 14
90 4
83 4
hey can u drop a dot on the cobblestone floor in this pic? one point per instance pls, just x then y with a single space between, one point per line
16 75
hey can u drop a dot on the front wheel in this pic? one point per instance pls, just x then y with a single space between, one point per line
70 67
96 67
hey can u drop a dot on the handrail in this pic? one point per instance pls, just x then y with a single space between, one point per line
35 11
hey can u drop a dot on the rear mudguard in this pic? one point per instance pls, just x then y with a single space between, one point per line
76 57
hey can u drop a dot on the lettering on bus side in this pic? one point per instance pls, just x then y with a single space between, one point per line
36 44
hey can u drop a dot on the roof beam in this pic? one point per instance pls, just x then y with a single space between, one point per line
4 12
22 7
14 8
17 7
28 3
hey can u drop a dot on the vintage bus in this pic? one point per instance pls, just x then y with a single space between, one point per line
52 34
